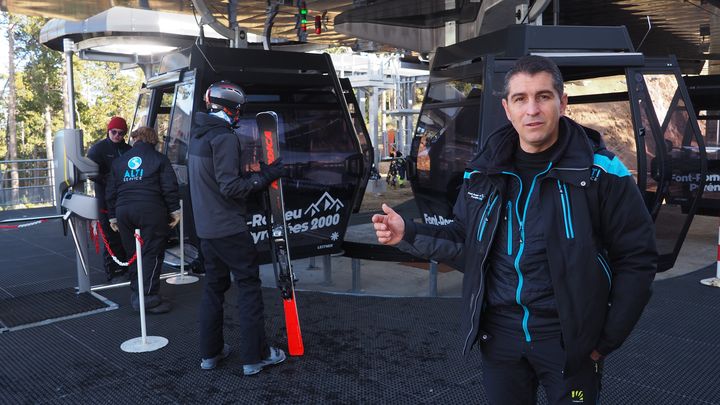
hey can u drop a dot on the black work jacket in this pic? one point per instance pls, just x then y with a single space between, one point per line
600 238
142 176
103 153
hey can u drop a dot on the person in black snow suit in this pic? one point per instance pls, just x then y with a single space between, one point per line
219 190
558 248
103 153
143 194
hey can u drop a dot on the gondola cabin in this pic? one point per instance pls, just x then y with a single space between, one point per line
640 105
328 160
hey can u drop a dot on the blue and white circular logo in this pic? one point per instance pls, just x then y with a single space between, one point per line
134 162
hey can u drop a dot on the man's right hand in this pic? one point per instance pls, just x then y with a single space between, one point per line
389 228
114 225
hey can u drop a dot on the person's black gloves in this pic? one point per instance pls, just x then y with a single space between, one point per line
272 171
268 174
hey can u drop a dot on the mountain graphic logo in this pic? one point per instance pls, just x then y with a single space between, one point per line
326 202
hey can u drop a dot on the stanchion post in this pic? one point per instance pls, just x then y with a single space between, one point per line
356 280
717 265
144 343
182 278
141 286
182 240
311 264
327 270
714 281
432 279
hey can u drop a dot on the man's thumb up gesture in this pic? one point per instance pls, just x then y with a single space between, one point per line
389 228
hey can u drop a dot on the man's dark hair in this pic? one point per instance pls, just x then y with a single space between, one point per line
533 64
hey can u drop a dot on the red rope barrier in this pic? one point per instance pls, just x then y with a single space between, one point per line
95 236
40 221
107 246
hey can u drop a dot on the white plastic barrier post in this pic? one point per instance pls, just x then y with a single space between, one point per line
182 278
143 343
714 281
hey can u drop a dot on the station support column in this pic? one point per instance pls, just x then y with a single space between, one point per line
79 224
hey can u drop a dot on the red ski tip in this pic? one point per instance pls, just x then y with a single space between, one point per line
292 324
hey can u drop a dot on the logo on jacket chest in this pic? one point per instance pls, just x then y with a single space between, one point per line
476 196
134 172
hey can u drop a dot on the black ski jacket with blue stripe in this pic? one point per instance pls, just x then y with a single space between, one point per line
600 239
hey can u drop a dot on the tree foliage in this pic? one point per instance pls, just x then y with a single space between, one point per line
101 91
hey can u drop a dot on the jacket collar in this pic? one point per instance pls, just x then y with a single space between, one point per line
571 162
205 123
142 145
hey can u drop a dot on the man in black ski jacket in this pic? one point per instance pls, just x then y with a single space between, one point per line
559 250
219 190
142 193
103 153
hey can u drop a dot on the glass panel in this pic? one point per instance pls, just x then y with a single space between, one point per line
705 96
179 133
162 120
167 99
302 131
319 148
652 132
709 124
596 85
454 91
662 89
681 161
448 138
613 121
141 112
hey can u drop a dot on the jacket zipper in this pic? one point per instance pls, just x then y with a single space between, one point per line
521 247
474 298
606 269
509 228
567 216
485 215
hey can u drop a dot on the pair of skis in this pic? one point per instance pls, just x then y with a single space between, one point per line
267 123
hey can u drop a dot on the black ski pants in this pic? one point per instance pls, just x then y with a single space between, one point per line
513 367
152 220
234 254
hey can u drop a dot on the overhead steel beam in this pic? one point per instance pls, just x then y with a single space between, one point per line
207 17
537 9
267 28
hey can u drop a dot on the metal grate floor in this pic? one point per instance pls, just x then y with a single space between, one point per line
359 349
49 306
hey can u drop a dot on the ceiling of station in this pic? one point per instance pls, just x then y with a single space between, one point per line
251 13
676 23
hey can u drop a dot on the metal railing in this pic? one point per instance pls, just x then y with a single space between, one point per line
33 186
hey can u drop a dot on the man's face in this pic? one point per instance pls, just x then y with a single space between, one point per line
534 109
116 135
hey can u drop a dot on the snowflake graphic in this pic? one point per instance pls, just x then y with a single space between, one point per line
334 236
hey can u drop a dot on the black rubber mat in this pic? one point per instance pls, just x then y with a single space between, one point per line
46 306
363 350
358 349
